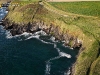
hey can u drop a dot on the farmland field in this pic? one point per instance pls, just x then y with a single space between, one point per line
80 19
83 8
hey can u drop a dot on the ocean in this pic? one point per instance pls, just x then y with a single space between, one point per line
33 54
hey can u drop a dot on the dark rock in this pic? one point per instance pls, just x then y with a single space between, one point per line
52 30
32 27
13 32
19 30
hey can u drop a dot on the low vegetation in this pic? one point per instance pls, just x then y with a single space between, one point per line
95 67
82 8
84 25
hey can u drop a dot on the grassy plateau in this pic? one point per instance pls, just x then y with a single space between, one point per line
82 8
81 19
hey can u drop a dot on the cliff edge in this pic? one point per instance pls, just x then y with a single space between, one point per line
78 31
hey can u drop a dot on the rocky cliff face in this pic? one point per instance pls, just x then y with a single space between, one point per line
51 29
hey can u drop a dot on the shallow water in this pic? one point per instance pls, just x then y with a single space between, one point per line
33 54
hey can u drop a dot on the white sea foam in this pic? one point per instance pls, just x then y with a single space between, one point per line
8 35
40 33
25 34
45 42
67 47
37 35
6 11
33 36
48 68
28 36
71 48
54 58
61 54
43 33
52 39
48 65
68 72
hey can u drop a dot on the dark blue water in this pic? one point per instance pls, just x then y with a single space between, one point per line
28 55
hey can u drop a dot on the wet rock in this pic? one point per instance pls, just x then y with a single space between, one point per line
33 27
51 29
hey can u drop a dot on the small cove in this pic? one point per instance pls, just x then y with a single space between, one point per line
29 54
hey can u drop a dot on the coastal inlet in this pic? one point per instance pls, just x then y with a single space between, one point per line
33 54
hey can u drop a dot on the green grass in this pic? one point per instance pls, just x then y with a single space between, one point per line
83 8
95 68
86 58
90 27
86 28
24 12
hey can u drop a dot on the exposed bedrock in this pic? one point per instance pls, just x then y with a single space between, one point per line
51 29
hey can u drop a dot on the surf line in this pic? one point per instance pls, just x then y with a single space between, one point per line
48 62
37 35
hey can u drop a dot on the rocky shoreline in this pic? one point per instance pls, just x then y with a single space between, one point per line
18 28
52 30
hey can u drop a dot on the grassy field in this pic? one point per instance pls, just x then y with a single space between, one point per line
83 8
84 25
95 67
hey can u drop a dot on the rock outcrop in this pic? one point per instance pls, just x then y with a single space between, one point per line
51 29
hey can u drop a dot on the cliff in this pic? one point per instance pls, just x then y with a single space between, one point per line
26 16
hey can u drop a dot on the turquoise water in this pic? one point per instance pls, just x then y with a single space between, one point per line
33 54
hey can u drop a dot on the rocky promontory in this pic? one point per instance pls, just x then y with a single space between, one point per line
52 30
77 31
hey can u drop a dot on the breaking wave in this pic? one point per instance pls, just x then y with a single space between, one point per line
27 36
68 72
37 35
61 54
